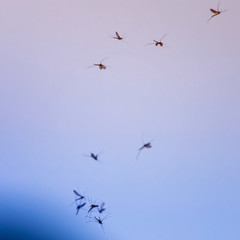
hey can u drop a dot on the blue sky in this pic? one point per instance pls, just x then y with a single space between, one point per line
54 109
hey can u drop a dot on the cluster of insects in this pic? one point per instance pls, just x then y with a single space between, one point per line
93 208
157 43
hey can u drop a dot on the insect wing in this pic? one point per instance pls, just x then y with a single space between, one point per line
149 44
218 6
213 11
148 145
102 205
101 208
139 151
77 193
82 205
91 66
103 59
163 37
117 35
141 148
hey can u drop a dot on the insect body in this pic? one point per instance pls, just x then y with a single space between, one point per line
95 157
145 145
99 65
79 207
216 12
100 221
118 36
158 43
92 207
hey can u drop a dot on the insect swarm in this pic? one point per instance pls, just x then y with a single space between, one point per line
216 12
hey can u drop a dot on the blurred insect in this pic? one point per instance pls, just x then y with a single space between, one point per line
99 65
99 220
93 156
145 145
118 36
78 196
216 12
101 208
92 207
156 43
79 206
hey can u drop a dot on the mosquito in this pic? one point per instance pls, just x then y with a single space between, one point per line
101 208
92 207
118 37
100 221
158 43
99 65
79 207
93 156
216 12
145 145
78 196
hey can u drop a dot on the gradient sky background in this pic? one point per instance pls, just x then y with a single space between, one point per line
186 98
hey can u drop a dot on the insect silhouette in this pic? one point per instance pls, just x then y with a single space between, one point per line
92 207
99 65
101 208
79 206
158 43
118 37
216 12
99 220
94 156
78 196
145 145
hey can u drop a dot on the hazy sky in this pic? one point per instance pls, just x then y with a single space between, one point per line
54 109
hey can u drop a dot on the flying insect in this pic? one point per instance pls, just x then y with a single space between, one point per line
216 12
